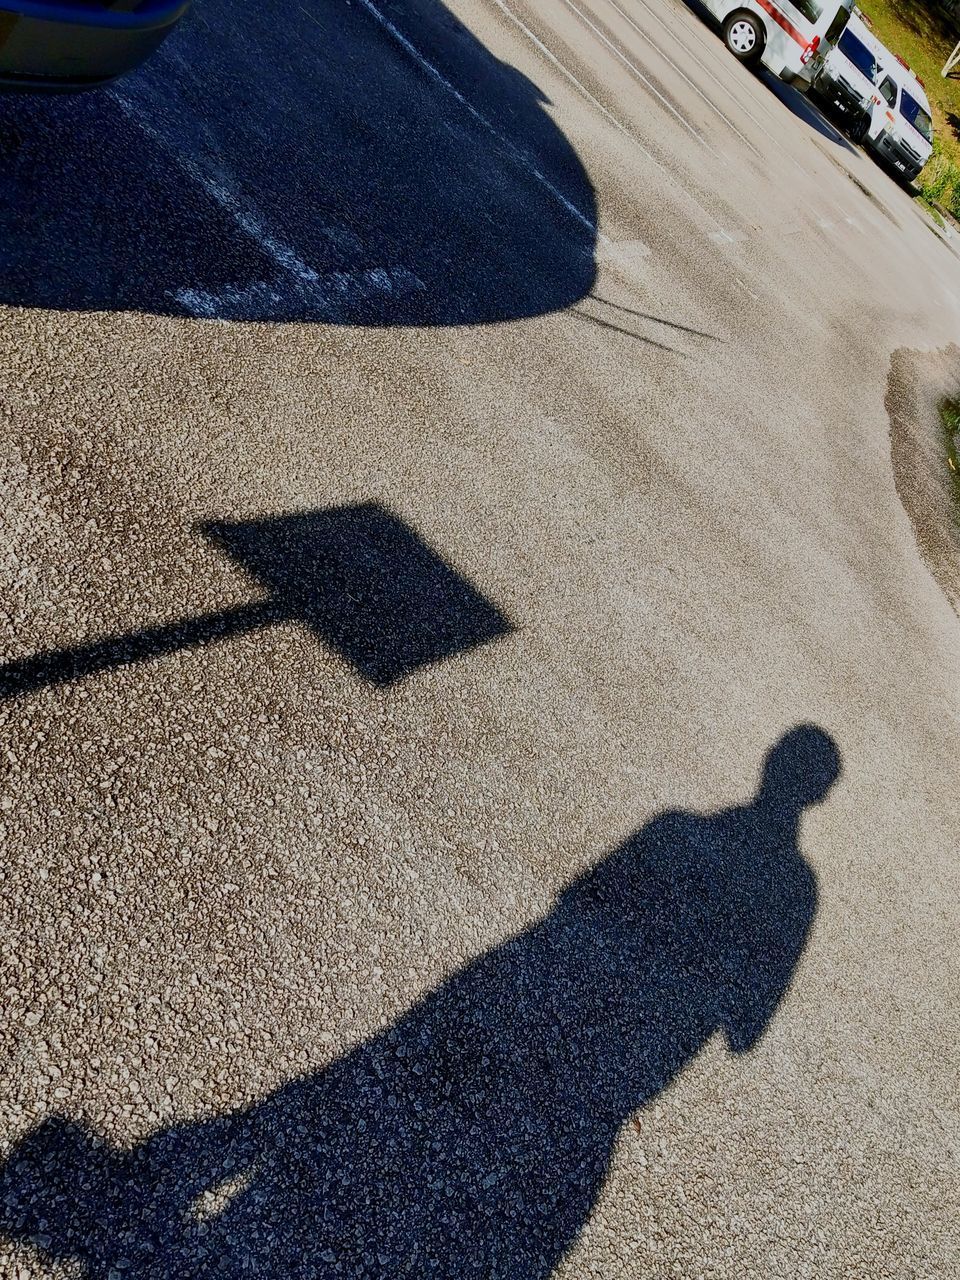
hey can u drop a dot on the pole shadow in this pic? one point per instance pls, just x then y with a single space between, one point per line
472 1138
604 313
357 577
366 164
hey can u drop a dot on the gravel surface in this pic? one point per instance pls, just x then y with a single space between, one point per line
479 710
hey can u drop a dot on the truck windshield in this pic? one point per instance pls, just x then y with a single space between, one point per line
858 54
915 114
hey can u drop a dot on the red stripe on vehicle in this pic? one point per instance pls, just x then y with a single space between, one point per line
782 21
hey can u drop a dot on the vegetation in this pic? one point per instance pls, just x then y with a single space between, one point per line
923 34
950 417
939 182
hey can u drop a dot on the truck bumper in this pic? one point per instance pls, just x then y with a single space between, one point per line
840 102
908 166
65 45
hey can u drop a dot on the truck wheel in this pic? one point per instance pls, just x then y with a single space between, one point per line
743 36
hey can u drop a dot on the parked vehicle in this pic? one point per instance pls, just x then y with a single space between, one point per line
848 78
79 44
790 37
901 128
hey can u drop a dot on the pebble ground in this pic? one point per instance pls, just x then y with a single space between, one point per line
653 435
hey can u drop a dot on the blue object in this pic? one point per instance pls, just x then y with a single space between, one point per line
64 45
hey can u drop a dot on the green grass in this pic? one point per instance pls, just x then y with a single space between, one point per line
939 182
933 212
950 417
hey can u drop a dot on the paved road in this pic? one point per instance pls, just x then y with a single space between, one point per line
479 692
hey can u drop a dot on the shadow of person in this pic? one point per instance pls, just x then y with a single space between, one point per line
364 164
472 1138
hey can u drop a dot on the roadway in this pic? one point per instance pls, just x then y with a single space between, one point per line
480 663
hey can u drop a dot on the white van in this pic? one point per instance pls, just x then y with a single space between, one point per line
901 128
848 79
790 37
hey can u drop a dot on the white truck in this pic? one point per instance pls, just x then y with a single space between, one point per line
900 131
848 78
790 37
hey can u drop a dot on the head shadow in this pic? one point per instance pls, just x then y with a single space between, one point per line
473 1137
364 164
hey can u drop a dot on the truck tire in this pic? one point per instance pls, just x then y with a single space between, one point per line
859 130
744 36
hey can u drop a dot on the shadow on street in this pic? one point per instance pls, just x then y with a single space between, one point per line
360 579
362 163
472 1138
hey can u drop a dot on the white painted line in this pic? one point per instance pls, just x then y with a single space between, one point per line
628 257
519 156
259 298
634 248
723 84
692 83
618 53
727 237
552 58
329 293
753 295
671 178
